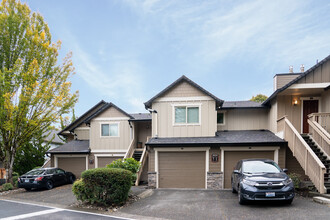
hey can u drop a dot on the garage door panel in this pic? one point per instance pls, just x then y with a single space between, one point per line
103 161
232 157
181 169
76 165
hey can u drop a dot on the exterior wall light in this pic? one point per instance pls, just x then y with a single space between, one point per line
295 102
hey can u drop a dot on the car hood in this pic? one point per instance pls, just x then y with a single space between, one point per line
267 177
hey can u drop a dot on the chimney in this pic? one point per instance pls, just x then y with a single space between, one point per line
302 68
290 69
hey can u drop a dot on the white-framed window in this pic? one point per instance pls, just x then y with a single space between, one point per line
110 130
186 114
221 118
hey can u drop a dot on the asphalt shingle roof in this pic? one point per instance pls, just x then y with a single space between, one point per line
241 104
246 137
75 146
141 116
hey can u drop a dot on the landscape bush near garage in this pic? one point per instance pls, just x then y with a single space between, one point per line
104 186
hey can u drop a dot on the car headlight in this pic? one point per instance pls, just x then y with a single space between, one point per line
249 182
287 182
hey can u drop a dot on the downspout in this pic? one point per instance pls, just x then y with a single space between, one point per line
156 121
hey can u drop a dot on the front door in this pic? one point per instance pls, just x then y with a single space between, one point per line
309 106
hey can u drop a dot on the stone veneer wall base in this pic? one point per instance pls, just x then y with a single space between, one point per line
214 180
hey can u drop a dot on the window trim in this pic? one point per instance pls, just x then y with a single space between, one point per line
224 118
198 105
109 123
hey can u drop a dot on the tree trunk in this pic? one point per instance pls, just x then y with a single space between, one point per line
9 164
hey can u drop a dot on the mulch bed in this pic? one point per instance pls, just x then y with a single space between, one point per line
108 209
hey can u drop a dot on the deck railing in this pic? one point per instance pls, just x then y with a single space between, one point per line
130 149
323 119
312 165
319 134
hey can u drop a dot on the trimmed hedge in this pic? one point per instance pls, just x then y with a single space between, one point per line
127 164
104 186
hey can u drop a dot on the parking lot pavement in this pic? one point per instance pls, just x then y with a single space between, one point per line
11 210
60 196
207 204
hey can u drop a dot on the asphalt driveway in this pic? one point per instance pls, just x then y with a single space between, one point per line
206 204
61 196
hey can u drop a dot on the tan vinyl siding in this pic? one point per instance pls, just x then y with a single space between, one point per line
319 75
167 128
214 166
111 113
245 119
143 131
272 117
184 90
181 169
282 80
82 133
293 112
110 143
325 99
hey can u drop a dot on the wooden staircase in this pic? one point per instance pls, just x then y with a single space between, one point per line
137 154
324 159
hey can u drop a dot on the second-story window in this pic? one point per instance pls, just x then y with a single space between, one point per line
220 118
109 130
186 115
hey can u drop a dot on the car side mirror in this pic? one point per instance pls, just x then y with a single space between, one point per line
285 170
237 172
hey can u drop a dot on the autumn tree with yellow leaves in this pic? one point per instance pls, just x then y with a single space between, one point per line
34 87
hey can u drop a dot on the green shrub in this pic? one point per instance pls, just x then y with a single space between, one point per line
15 178
129 164
296 179
7 186
80 191
103 186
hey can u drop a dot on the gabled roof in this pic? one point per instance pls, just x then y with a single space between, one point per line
241 104
302 75
80 120
105 107
73 147
183 78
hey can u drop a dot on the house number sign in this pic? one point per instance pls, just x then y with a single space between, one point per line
215 158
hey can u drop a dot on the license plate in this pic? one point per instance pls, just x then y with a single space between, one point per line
26 180
270 194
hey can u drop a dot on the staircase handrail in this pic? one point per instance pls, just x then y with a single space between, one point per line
312 165
142 161
323 119
320 136
130 149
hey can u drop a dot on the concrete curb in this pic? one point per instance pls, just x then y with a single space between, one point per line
146 194
321 200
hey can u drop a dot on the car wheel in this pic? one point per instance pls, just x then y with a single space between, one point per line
49 184
72 179
241 200
27 189
233 190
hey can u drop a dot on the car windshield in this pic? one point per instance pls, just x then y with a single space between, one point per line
260 167
35 172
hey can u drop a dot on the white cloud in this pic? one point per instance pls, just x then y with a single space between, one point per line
210 31
122 80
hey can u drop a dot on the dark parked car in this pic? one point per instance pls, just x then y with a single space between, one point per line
261 179
45 178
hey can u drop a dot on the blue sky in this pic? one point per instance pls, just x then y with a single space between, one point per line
127 51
